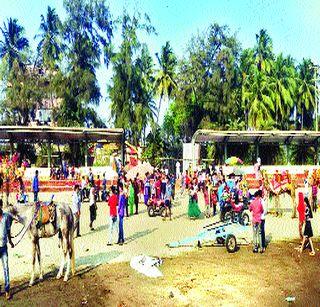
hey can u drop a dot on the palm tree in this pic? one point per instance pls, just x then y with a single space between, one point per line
258 97
165 79
306 89
283 84
49 47
263 51
13 42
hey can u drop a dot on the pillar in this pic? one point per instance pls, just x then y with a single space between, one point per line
49 154
11 148
257 151
225 151
287 149
123 150
86 154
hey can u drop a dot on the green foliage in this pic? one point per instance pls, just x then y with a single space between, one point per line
131 90
13 44
24 90
156 147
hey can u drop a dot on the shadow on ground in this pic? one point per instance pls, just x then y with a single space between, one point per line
140 234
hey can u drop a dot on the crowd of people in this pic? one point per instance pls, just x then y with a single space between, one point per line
65 171
219 192
123 198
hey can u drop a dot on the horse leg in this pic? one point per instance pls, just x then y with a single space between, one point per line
39 260
73 261
33 253
62 261
67 253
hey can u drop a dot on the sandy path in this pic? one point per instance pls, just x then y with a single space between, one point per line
143 234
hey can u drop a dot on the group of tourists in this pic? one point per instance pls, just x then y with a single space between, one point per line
65 171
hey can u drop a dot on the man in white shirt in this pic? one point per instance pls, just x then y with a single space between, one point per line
76 207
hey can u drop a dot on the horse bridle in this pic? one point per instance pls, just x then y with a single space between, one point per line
25 228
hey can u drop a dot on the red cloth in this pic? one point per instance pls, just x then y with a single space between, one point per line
113 203
301 207
257 209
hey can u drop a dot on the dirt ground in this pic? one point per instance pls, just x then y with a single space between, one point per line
192 277
203 277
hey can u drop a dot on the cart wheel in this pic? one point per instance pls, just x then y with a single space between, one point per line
163 212
245 219
227 217
231 244
151 211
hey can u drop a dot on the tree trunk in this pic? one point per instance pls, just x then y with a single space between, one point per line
159 108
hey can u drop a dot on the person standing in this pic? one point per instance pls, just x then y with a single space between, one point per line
112 203
168 198
121 208
76 209
131 197
308 233
92 206
5 235
35 186
257 209
301 208
136 193
98 187
263 220
314 189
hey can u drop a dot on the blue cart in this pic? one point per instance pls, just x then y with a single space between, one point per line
219 234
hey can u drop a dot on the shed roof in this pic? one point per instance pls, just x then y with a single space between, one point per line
254 137
59 134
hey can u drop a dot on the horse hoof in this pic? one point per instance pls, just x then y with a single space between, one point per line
31 283
59 276
41 278
65 279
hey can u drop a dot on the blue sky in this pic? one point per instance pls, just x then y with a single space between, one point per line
294 25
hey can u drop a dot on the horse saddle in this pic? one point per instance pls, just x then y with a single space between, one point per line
46 213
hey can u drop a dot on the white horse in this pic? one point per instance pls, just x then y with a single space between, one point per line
62 224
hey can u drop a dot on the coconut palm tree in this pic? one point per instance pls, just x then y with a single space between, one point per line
263 51
306 89
165 79
258 97
13 42
49 47
283 84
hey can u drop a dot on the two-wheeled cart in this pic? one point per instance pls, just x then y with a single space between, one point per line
230 235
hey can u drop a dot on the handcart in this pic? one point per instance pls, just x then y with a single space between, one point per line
220 234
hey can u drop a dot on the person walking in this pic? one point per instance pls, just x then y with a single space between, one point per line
92 206
112 203
35 186
308 233
121 208
76 209
256 208
5 235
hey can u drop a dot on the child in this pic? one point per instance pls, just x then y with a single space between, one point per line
308 233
